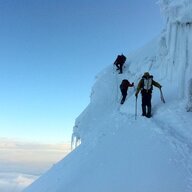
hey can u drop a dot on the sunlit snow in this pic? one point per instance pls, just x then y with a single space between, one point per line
117 149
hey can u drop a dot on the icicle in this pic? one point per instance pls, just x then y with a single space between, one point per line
181 48
187 57
189 103
173 33
75 138
75 141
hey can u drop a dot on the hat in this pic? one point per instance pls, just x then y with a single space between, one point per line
146 74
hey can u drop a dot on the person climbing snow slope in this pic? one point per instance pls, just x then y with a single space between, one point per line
124 88
146 86
119 62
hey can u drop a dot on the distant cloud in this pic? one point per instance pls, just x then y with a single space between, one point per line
15 182
22 162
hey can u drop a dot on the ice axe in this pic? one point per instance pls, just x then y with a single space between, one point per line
161 95
136 108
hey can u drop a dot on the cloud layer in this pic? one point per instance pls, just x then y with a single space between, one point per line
15 182
23 162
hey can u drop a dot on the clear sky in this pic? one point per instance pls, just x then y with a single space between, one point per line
50 53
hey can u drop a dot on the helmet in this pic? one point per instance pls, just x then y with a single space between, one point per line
146 74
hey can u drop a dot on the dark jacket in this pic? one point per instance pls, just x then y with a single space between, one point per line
120 59
146 84
125 84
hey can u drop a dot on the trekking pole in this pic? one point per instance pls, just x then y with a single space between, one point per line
136 109
161 95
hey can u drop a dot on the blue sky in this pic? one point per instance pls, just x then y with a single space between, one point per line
50 53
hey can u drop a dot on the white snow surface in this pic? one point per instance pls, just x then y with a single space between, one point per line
121 152
177 10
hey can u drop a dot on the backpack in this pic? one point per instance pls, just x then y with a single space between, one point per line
147 84
123 58
120 59
124 84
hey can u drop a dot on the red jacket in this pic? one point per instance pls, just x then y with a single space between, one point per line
120 59
125 84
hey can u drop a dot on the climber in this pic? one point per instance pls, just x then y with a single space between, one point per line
119 62
124 87
146 87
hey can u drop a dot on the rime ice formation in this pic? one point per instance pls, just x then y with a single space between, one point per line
117 152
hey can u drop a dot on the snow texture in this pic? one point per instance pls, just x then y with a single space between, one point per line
177 10
120 150
189 103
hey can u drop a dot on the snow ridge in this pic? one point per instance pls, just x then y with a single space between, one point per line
116 152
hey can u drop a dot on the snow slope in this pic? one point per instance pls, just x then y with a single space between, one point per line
121 152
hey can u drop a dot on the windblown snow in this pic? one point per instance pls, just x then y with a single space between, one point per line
117 149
